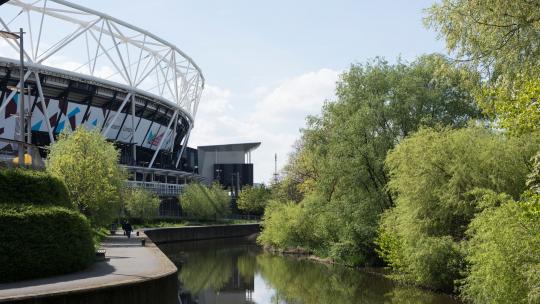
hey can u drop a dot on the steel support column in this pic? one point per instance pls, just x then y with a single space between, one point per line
44 106
10 96
183 146
165 135
133 143
116 115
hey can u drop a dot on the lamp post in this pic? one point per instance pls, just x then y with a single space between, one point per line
15 36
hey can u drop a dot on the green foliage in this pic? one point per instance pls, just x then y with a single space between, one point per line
502 38
287 226
515 104
338 166
496 34
88 165
438 177
297 177
98 235
141 204
18 186
206 203
253 199
39 241
503 255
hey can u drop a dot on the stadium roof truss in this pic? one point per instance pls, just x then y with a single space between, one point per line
67 38
64 35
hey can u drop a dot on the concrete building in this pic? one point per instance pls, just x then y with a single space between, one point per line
230 165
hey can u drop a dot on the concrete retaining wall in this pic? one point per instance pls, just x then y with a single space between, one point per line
163 290
195 233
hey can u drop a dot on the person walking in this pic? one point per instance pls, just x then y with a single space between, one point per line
128 229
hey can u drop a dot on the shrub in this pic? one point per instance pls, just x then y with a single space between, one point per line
253 199
503 254
38 241
287 226
18 186
280 223
438 177
205 203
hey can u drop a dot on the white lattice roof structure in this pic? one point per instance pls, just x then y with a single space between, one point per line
78 40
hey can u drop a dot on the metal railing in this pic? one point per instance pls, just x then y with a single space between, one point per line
161 189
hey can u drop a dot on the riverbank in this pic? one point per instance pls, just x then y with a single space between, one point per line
130 274
300 253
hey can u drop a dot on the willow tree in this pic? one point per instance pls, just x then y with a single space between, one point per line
501 39
88 165
439 177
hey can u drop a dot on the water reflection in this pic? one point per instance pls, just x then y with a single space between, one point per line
238 271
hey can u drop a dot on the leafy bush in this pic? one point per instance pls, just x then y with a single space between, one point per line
254 199
438 177
503 254
18 186
206 203
40 241
283 226
141 204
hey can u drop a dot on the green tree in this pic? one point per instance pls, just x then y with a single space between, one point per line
205 203
141 203
341 158
88 165
496 34
439 178
500 37
253 199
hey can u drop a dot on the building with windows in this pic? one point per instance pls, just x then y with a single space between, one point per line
230 165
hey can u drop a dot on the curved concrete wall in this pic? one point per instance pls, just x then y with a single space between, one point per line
161 287
195 233
162 290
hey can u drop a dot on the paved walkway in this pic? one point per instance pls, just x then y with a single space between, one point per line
126 262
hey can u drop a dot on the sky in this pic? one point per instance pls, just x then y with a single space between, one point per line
269 64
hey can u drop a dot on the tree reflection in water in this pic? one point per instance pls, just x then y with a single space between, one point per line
223 271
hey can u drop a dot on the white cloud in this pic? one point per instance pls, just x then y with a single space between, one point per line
275 118
301 95
215 100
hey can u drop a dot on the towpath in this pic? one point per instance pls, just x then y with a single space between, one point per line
126 262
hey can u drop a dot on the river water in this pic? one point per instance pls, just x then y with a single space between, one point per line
238 271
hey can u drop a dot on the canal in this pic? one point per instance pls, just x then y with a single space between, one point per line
238 271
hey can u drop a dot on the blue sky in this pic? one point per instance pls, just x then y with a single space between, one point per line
268 64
